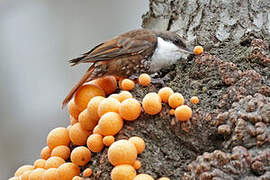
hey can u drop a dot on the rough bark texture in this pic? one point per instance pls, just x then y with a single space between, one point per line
228 136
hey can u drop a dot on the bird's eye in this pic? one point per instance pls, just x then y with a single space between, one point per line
177 41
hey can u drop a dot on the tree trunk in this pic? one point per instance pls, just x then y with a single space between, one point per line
228 136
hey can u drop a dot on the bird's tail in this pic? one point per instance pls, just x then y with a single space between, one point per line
78 84
76 60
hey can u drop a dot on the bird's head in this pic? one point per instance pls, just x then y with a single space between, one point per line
170 48
175 39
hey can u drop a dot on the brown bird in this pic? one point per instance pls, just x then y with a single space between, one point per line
132 53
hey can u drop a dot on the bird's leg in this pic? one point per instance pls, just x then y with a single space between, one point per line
158 80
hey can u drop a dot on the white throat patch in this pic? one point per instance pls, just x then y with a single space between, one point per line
166 53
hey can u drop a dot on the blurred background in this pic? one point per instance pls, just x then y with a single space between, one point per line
36 40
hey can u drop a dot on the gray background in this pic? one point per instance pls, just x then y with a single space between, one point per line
36 40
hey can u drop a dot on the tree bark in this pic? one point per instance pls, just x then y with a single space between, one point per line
228 136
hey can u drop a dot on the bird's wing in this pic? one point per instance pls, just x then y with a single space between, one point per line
135 42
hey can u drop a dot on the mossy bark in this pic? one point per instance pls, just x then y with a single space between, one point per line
232 81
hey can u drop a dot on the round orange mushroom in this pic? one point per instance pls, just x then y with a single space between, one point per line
87 172
78 135
108 140
39 163
127 84
61 151
143 177
123 95
137 164
108 105
165 93
183 113
198 50
110 124
67 171
194 100
122 152
139 143
36 174
45 153
58 136
175 100
95 142
54 162
22 169
85 93
130 109
123 172
152 103
144 79
80 155
107 83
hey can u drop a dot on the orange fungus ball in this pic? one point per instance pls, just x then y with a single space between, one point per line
61 151
25 175
130 109
194 100
122 152
127 84
107 83
172 111
50 174
183 113
86 120
77 178
15 178
36 174
108 140
96 130
58 136
198 50
22 169
95 142
139 143
164 178
108 105
78 135
45 153
123 95
110 124
54 162
87 172
175 100
123 172
114 96
92 108
165 93
85 93
152 103
80 155
137 164
40 163
143 177
144 79
73 109
67 171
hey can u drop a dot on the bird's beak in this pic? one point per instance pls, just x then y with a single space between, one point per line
186 50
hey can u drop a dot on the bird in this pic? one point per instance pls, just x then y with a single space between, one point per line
129 54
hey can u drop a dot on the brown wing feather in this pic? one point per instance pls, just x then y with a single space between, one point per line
130 43
78 84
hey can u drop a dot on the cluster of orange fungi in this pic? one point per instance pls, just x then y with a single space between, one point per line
96 116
